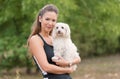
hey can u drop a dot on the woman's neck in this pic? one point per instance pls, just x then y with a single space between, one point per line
44 34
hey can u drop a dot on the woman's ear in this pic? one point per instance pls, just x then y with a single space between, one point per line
40 18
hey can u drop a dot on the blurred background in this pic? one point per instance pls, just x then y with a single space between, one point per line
95 30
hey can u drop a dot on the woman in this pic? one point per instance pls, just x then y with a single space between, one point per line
40 45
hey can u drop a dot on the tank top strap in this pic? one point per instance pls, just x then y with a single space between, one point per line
41 37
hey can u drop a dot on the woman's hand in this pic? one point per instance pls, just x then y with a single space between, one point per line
70 70
60 61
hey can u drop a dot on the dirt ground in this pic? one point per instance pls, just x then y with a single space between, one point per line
107 67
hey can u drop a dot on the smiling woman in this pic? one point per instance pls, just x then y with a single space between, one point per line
40 45
48 21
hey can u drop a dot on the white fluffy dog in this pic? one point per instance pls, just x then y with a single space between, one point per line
63 45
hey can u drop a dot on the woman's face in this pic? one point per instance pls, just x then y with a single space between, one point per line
48 21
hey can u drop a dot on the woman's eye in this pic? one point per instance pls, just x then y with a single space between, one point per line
53 20
47 19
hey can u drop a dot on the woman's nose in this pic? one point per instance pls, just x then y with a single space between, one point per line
50 22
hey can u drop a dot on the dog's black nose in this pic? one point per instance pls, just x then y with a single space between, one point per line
59 32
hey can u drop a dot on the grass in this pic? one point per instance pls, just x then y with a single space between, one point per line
107 67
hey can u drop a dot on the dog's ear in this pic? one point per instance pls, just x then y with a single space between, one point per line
67 30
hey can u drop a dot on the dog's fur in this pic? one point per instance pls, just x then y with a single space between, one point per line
62 43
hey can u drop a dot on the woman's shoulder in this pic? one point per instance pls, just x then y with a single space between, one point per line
35 38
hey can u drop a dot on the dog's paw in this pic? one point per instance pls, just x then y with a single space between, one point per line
55 58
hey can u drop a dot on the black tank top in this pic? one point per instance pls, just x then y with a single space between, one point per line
48 50
49 53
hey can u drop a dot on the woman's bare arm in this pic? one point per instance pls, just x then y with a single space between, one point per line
63 62
77 60
36 47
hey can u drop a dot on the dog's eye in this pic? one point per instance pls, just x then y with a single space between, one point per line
62 27
56 27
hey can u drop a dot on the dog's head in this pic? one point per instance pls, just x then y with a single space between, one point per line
61 30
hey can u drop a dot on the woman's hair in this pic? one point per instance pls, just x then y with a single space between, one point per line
36 27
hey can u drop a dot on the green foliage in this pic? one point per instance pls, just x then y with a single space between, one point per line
96 30
13 54
95 27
